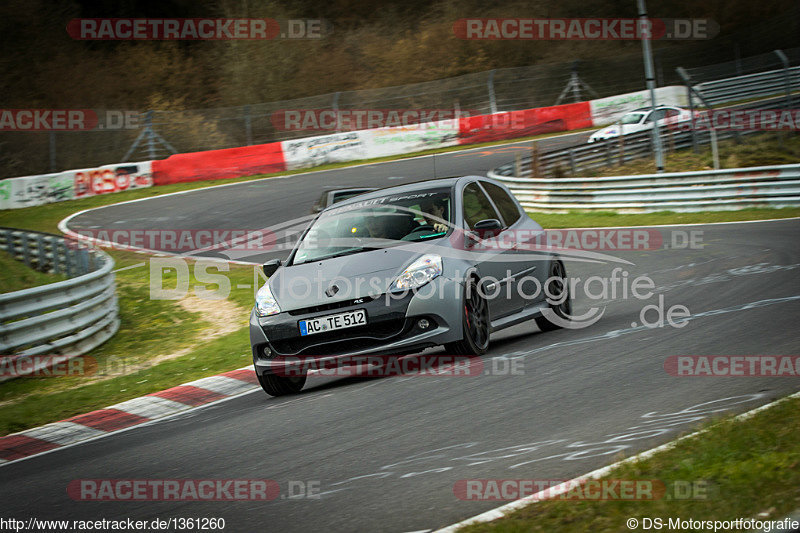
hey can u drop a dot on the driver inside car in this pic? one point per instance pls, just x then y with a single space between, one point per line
434 213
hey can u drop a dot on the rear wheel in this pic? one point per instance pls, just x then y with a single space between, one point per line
558 289
475 323
280 385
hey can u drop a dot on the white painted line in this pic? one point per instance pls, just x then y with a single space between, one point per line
62 433
137 265
503 510
150 407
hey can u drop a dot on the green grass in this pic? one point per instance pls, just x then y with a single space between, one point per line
149 329
753 151
16 275
220 355
751 466
589 219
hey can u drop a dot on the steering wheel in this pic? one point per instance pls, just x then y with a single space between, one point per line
424 227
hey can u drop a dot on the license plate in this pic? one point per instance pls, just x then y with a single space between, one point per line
333 322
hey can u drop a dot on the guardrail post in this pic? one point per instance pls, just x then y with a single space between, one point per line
607 144
572 162
518 165
535 163
68 261
84 257
25 251
42 253
621 149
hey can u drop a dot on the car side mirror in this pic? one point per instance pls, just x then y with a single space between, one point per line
271 266
487 228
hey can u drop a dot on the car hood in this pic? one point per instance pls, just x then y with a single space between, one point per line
356 276
606 132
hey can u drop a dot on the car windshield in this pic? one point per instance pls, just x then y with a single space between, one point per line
346 195
376 223
632 118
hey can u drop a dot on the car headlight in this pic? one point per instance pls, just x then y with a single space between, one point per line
266 305
419 273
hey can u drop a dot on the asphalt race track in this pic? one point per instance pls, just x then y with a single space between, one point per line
386 453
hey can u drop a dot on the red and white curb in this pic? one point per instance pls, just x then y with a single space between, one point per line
127 414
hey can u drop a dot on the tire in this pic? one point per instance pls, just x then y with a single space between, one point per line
560 284
475 323
280 385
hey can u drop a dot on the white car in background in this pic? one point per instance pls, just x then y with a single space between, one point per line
641 120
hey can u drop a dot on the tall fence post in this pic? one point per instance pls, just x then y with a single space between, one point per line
787 81
248 126
714 148
692 129
335 107
52 151
490 87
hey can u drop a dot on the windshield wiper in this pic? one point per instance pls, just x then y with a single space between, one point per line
340 254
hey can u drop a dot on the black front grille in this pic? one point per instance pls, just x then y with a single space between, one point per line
341 341
331 306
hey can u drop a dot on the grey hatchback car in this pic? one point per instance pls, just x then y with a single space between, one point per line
402 269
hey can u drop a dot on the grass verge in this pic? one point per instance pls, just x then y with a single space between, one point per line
160 344
751 466
753 151
16 275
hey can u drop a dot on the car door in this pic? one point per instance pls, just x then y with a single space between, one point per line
519 232
492 257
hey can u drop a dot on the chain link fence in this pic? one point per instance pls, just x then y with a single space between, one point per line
161 133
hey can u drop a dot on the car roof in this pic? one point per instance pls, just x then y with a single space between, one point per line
351 189
648 108
415 186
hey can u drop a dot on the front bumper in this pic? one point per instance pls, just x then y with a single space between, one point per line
392 327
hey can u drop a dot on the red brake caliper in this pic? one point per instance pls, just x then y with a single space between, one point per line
466 314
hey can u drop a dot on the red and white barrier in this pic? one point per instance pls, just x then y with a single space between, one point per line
29 191
323 149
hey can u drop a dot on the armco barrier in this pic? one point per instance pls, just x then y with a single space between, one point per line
750 86
65 318
769 186
219 164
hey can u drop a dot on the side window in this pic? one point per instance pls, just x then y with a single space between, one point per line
476 205
658 114
506 204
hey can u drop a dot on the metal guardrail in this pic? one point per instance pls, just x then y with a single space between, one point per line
749 86
619 150
772 186
66 318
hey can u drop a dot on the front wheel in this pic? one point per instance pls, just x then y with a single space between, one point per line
558 298
280 385
475 323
